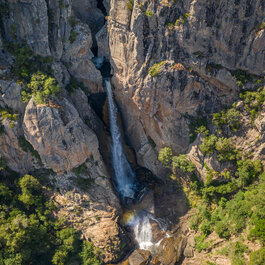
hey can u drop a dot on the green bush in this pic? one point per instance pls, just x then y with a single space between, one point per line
156 68
41 87
26 62
183 163
241 77
80 169
165 156
247 171
200 243
88 255
73 36
197 125
231 118
208 144
257 257
27 147
206 227
28 232
149 13
10 116
222 230
226 150
253 101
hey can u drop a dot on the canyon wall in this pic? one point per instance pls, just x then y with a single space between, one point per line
198 45
172 63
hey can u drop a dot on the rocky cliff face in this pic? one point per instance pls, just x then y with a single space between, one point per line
172 62
62 135
200 44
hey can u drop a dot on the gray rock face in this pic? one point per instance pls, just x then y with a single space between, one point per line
59 135
28 21
16 158
223 35
10 96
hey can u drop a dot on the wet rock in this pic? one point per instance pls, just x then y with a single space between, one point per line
139 257
171 249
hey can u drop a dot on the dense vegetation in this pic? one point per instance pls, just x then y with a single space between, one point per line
34 73
29 234
230 202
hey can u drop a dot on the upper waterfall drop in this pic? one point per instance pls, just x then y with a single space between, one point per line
124 176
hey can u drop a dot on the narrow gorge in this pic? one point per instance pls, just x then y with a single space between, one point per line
131 132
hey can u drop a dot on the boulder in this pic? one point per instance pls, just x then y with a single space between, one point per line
139 257
59 135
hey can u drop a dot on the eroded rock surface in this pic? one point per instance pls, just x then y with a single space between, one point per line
198 54
59 135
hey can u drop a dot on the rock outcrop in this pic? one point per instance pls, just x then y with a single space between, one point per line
198 46
59 135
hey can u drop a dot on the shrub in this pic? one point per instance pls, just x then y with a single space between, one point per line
73 36
222 230
27 147
231 117
257 257
253 101
80 169
226 150
130 5
88 254
197 125
241 77
183 163
208 144
259 230
10 116
156 68
247 171
200 244
206 227
149 13
165 156
41 87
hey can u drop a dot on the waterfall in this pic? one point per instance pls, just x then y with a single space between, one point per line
124 176
143 233
125 180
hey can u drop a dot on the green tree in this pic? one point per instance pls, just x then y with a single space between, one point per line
208 144
165 156
41 87
183 163
88 255
257 257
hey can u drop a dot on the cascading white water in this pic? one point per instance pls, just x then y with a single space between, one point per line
124 176
143 233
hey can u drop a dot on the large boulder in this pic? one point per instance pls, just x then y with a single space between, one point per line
59 135
139 257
